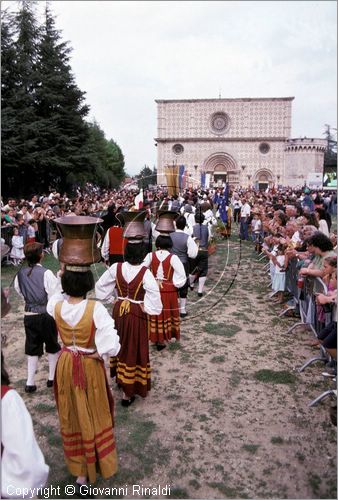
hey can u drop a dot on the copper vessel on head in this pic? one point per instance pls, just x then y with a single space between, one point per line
165 223
79 245
133 224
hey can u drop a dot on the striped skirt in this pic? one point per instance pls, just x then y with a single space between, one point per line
165 326
132 366
86 417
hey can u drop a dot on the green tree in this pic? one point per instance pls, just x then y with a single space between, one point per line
116 160
330 157
147 177
9 138
63 133
19 113
106 158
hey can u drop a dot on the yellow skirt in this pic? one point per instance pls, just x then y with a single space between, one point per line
86 417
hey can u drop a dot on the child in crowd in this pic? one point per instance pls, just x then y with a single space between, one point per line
17 254
256 228
32 229
270 247
278 284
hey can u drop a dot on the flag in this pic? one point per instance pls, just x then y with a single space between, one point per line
184 180
226 194
223 212
181 175
138 202
203 179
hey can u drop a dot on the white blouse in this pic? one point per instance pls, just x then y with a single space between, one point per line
104 288
179 277
23 465
107 340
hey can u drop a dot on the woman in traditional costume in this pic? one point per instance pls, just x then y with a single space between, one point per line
170 275
138 297
83 397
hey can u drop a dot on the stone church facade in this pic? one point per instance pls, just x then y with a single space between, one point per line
240 141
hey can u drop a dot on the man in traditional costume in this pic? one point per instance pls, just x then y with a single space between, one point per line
199 267
36 285
185 248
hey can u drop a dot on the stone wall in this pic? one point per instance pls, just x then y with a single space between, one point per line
243 138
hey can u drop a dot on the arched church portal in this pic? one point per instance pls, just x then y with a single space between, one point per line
263 179
222 169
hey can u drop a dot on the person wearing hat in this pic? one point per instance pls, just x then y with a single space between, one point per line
138 296
36 285
170 274
83 397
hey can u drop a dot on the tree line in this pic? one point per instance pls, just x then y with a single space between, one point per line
46 140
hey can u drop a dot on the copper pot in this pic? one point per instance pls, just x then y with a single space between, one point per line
165 223
134 224
79 244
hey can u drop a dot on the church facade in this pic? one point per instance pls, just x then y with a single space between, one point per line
245 142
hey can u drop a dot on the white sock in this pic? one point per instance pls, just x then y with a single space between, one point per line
32 362
52 360
191 279
182 305
201 282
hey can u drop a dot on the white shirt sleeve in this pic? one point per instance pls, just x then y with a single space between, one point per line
152 297
23 465
107 340
55 249
147 260
179 277
105 286
16 286
51 283
192 248
105 246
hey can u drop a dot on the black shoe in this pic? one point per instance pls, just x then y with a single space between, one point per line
30 388
160 347
82 492
183 315
200 294
191 288
127 402
50 383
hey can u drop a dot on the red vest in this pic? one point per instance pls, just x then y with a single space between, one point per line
4 390
117 243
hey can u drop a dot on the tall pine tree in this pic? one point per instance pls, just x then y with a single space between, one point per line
19 155
9 138
61 110
46 141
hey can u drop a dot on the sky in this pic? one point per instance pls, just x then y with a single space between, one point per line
127 54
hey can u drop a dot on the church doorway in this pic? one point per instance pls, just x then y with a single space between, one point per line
219 175
263 179
222 169
263 186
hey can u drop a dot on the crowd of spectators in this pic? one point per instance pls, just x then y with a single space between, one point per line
290 227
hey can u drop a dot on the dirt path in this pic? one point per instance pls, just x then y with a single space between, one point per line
228 415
